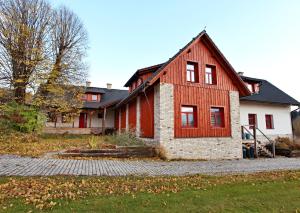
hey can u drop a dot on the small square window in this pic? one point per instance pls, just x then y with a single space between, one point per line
192 72
188 116
269 122
217 117
94 97
210 75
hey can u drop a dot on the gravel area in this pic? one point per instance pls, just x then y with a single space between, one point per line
24 166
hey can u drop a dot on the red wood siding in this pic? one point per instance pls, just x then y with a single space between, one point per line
134 84
204 99
117 119
132 114
199 94
123 117
146 76
147 114
176 71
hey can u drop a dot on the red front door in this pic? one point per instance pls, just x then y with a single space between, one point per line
83 120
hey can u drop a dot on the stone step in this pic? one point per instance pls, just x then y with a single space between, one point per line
118 152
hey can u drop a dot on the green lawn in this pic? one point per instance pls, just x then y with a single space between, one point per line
264 192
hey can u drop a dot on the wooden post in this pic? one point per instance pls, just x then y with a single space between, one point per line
255 141
274 149
90 119
243 132
55 121
103 121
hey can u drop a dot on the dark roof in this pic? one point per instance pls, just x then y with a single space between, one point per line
145 69
94 90
108 97
268 93
157 73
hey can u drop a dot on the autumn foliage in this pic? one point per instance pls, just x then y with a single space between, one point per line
20 117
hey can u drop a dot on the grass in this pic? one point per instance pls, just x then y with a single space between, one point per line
262 192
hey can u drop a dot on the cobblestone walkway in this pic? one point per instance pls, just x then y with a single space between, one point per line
22 166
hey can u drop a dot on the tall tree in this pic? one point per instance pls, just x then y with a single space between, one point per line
68 44
43 49
24 30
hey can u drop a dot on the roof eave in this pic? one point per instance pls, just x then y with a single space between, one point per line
133 94
270 102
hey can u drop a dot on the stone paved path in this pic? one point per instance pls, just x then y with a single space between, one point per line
23 166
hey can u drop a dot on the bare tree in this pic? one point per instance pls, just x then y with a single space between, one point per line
24 30
41 48
68 45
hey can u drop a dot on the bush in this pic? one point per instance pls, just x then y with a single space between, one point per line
126 138
161 152
21 118
93 142
286 143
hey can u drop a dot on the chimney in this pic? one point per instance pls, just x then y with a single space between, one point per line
108 85
88 84
241 73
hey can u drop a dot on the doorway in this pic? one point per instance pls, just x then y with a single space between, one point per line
83 120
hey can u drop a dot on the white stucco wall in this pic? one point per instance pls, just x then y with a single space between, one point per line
281 117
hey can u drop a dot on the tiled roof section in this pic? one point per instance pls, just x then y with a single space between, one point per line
94 90
268 93
145 69
109 97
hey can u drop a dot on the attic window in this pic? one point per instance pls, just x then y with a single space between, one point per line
94 97
210 75
253 87
192 72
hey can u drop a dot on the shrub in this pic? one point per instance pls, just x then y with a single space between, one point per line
22 118
296 126
161 152
286 143
93 142
125 138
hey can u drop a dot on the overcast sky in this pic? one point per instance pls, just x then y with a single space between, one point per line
258 37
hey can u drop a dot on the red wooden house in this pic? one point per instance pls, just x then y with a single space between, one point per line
188 105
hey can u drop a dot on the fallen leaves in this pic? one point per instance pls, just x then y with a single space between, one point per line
22 144
47 192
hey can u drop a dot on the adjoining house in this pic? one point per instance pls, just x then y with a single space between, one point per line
97 114
268 108
196 106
